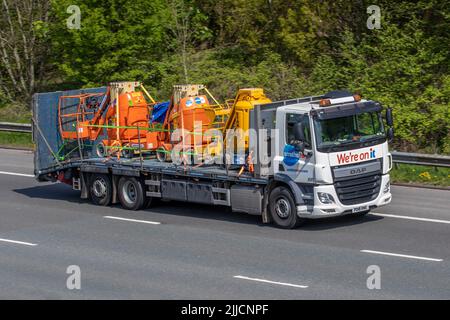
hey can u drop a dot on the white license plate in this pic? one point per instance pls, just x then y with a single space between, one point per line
360 209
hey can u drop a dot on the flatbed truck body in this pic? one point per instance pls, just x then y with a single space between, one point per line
291 182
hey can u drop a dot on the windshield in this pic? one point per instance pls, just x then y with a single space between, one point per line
350 130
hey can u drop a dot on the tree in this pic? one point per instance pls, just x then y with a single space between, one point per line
23 55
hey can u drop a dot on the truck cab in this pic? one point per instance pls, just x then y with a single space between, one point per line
330 151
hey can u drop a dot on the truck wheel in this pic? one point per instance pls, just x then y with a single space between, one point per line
282 208
131 193
100 189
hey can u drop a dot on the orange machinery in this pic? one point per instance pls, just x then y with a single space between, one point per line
190 111
74 110
128 127
123 111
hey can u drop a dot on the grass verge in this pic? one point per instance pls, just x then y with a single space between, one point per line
424 175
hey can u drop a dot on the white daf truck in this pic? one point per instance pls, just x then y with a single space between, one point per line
331 155
313 157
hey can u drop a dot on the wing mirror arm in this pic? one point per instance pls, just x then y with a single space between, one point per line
390 123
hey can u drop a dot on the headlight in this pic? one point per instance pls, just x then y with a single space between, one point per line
387 187
325 198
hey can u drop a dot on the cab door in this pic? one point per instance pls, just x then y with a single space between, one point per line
299 166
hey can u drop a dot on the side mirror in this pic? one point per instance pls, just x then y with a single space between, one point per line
389 119
390 134
299 132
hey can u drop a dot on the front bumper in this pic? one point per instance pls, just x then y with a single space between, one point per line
320 210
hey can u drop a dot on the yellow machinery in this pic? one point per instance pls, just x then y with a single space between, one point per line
239 113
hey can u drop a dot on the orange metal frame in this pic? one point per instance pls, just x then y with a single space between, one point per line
78 116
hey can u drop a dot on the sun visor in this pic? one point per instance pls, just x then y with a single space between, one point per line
346 110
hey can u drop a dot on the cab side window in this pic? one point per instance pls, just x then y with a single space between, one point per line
291 120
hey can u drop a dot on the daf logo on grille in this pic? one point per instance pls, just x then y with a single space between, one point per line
364 168
358 171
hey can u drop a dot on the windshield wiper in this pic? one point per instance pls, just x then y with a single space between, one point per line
345 143
371 138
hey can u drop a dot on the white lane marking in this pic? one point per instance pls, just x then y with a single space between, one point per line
410 218
131 220
17 174
401 255
19 242
272 282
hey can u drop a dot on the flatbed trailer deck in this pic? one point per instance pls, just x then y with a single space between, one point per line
209 184
135 167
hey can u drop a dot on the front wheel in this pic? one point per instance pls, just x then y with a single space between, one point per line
283 210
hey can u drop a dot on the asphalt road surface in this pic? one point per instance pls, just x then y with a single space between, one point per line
185 251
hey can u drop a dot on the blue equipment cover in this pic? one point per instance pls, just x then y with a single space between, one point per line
159 111
45 116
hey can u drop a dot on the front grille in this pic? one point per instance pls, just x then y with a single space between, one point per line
358 189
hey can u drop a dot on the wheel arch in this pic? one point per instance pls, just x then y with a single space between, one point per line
284 180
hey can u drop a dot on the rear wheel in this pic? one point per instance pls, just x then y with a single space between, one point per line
100 189
282 208
131 193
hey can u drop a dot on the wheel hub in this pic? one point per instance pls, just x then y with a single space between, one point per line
99 188
282 208
129 192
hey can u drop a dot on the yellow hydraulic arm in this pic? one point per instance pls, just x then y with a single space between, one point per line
245 100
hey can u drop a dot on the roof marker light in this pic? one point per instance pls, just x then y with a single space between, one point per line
324 102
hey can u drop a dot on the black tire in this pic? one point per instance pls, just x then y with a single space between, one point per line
131 193
283 210
100 189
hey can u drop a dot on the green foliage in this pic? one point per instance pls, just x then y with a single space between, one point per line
14 112
118 40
